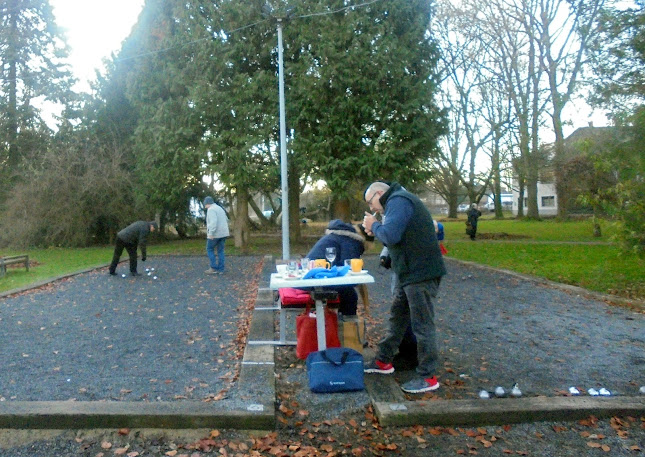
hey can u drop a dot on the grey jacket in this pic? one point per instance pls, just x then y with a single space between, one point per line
216 222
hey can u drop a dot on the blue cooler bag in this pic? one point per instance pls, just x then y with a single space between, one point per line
335 370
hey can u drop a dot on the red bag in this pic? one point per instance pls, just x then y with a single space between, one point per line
444 251
307 334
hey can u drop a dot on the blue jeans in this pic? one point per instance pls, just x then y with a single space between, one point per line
212 245
412 306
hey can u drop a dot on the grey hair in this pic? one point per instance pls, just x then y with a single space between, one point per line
377 186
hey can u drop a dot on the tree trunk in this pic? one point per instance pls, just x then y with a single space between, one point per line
560 186
12 108
597 233
240 224
497 183
341 209
520 203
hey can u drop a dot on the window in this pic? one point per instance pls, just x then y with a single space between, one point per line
548 202
526 202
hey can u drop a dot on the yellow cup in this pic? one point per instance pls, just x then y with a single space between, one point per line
322 263
357 265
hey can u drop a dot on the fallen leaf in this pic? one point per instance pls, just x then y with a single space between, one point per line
106 445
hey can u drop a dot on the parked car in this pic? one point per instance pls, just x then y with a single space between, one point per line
463 208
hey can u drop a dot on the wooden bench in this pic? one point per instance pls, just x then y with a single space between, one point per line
12 260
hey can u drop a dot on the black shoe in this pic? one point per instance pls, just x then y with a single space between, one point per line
406 359
134 273
401 363
112 273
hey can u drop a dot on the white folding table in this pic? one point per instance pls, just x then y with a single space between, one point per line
278 282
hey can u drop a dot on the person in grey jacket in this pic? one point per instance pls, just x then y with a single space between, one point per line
216 234
408 232
133 236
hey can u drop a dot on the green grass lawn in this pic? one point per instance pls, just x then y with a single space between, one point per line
545 249
545 230
594 267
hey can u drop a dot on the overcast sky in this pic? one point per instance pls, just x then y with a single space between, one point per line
94 29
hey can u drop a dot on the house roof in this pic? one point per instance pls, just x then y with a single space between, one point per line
594 139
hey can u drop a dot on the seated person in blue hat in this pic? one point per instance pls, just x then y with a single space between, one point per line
350 244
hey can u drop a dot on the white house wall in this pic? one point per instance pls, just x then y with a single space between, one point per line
546 196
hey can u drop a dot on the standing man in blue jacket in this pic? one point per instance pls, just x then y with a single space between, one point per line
216 234
409 234
133 236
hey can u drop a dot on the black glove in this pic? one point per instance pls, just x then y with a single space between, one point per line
143 259
386 262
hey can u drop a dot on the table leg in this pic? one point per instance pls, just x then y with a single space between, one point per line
320 325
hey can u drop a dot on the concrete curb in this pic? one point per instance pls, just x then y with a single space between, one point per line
174 415
504 410
393 409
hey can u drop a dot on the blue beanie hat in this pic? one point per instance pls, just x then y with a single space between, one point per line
208 201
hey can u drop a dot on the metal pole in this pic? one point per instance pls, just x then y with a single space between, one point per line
283 153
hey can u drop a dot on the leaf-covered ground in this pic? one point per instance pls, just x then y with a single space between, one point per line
100 337
494 330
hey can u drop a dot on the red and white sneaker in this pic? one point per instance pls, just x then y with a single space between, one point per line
419 385
376 366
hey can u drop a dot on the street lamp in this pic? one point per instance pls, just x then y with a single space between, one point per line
267 10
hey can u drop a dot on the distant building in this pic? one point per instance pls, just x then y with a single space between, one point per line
583 140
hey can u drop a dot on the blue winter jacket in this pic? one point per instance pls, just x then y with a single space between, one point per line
343 236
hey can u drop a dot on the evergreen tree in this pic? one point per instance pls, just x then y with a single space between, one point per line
32 67
362 93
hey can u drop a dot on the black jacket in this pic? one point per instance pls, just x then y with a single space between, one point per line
136 234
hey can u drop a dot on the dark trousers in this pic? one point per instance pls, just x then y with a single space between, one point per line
348 300
413 307
118 250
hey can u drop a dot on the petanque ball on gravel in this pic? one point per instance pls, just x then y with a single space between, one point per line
484 394
642 390
123 276
154 277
